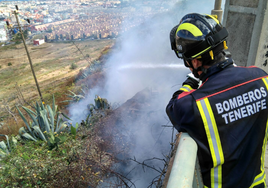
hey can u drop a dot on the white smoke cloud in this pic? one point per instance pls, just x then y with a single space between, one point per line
145 59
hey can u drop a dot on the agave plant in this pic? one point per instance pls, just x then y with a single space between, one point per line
5 148
44 119
74 97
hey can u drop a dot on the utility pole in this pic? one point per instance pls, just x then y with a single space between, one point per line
30 61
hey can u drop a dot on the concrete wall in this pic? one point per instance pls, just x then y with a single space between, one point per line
247 23
262 51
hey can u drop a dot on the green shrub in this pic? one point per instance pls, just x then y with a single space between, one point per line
65 159
73 66
9 64
76 163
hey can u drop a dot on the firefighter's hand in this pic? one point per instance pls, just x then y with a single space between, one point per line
191 81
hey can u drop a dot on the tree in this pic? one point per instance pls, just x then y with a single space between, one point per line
18 38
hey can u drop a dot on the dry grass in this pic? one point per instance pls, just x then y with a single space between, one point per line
11 127
51 62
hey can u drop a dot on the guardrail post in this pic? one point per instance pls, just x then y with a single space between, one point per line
185 170
217 10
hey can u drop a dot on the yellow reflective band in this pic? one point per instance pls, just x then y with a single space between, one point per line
214 142
215 129
216 174
265 81
184 89
201 52
191 28
214 18
261 178
189 88
203 116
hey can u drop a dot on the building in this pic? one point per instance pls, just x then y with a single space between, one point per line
47 20
38 41
3 31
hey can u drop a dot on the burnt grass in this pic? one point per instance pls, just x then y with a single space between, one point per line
118 135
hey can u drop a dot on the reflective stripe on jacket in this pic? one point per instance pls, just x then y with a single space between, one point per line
227 117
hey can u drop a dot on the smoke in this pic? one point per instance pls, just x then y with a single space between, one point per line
144 59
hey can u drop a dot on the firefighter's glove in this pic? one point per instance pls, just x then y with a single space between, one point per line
191 81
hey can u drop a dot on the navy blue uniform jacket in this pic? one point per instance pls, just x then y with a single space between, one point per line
227 117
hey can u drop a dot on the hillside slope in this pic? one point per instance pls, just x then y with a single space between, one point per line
51 62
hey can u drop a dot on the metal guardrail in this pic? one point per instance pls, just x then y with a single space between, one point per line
185 172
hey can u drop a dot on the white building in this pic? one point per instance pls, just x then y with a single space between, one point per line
3 31
47 20
38 41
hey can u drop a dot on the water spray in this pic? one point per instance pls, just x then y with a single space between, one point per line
151 66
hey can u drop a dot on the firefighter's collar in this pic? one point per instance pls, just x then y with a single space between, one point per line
216 68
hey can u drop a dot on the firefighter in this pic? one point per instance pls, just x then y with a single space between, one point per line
227 114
